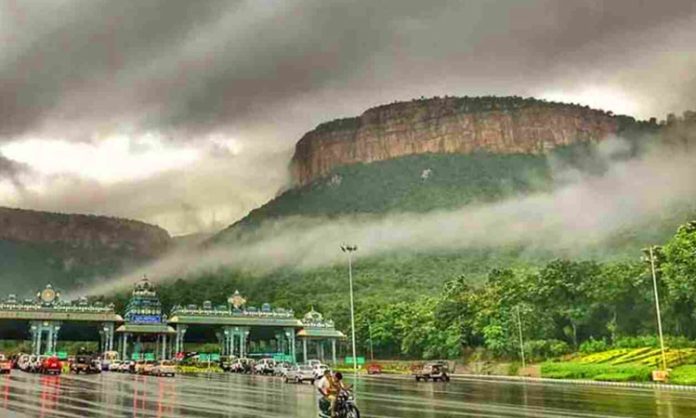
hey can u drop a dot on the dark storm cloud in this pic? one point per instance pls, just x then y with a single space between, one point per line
263 72
188 65
13 171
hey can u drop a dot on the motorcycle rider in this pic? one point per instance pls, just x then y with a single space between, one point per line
329 387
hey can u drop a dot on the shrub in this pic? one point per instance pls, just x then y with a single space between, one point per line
538 350
593 346
683 375
596 371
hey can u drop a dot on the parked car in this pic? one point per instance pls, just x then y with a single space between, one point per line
127 367
84 363
23 362
164 368
226 362
35 363
107 358
300 373
319 370
242 365
433 370
5 364
281 368
313 363
374 368
115 365
50 365
144 367
264 366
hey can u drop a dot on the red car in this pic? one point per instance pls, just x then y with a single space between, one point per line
374 368
51 365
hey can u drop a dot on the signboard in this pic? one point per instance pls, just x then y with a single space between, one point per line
149 356
215 357
203 357
136 356
62 355
147 319
361 360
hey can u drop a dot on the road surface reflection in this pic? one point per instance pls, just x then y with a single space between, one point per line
124 395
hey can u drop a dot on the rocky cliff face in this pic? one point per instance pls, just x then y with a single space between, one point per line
448 125
137 239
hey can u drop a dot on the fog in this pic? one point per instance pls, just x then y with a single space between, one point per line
580 214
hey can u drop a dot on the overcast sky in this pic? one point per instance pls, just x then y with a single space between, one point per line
184 113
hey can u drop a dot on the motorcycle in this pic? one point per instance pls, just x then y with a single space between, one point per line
345 406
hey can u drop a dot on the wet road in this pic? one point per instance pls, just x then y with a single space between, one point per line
119 395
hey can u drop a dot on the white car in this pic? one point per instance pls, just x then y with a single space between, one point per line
264 366
300 373
115 365
281 368
319 370
125 367
164 368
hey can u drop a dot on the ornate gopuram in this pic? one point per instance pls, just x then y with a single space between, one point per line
145 327
315 334
240 329
46 315
145 332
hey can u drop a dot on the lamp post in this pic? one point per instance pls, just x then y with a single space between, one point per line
349 249
657 308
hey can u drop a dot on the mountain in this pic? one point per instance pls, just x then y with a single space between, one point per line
70 250
498 125
421 156
440 153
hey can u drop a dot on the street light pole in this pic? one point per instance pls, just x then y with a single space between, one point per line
657 308
369 329
349 249
519 328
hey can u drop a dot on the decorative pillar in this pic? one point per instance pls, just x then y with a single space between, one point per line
38 341
108 336
333 350
179 339
321 350
290 335
34 330
232 342
164 346
304 349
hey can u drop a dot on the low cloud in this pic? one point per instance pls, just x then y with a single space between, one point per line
580 215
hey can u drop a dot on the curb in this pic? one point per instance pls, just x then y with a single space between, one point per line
523 379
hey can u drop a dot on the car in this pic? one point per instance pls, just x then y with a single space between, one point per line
23 362
5 364
115 365
35 363
313 363
107 358
319 370
164 368
281 368
50 365
144 367
84 363
242 365
374 368
264 366
300 373
126 367
226 362
434 370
